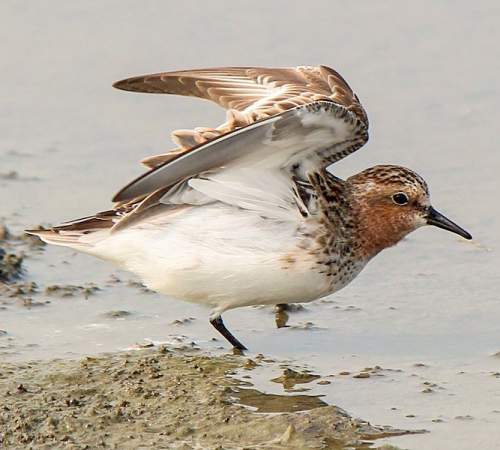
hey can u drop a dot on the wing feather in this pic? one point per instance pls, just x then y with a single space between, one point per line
308 136
249 94
251 88
279 120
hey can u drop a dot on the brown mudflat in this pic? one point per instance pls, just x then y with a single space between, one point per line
157 399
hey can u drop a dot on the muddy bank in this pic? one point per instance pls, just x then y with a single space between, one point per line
14 249
10 260
156 398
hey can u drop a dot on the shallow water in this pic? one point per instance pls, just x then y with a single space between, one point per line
428 79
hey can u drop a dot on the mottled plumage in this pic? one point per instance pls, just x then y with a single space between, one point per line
246 213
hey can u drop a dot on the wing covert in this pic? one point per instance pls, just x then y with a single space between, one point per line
266 91
297 140
281 124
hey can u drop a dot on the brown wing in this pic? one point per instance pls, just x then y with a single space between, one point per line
296 141
248 94
296 118
288 104
262 91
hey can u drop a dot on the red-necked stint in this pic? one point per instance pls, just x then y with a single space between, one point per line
246 213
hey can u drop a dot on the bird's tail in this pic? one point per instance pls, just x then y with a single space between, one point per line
81 234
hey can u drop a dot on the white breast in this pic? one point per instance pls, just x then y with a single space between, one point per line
222 256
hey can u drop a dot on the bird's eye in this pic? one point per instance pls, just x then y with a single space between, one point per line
400 198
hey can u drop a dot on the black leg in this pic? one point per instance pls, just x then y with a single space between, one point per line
221 328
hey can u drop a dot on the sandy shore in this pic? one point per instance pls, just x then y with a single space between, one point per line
157 398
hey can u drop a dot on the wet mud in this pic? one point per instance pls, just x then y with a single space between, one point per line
11 261
157 398
14 248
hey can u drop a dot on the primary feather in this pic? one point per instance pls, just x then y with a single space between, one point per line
296 119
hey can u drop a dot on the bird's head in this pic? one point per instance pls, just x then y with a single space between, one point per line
390 202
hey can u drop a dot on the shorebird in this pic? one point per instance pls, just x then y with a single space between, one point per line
246 213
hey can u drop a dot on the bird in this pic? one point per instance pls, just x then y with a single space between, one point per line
247 213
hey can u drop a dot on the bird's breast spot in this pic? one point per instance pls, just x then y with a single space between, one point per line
288 261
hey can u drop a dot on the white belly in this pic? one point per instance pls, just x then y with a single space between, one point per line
221 256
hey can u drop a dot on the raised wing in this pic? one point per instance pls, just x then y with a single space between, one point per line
283 127
292 119
302 139
262 91
248 93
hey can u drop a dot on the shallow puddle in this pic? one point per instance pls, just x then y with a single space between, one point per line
273 403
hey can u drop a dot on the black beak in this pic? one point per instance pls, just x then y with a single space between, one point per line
437 219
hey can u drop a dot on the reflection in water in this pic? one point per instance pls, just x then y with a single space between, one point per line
273 403
276 403
280 315
290 378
